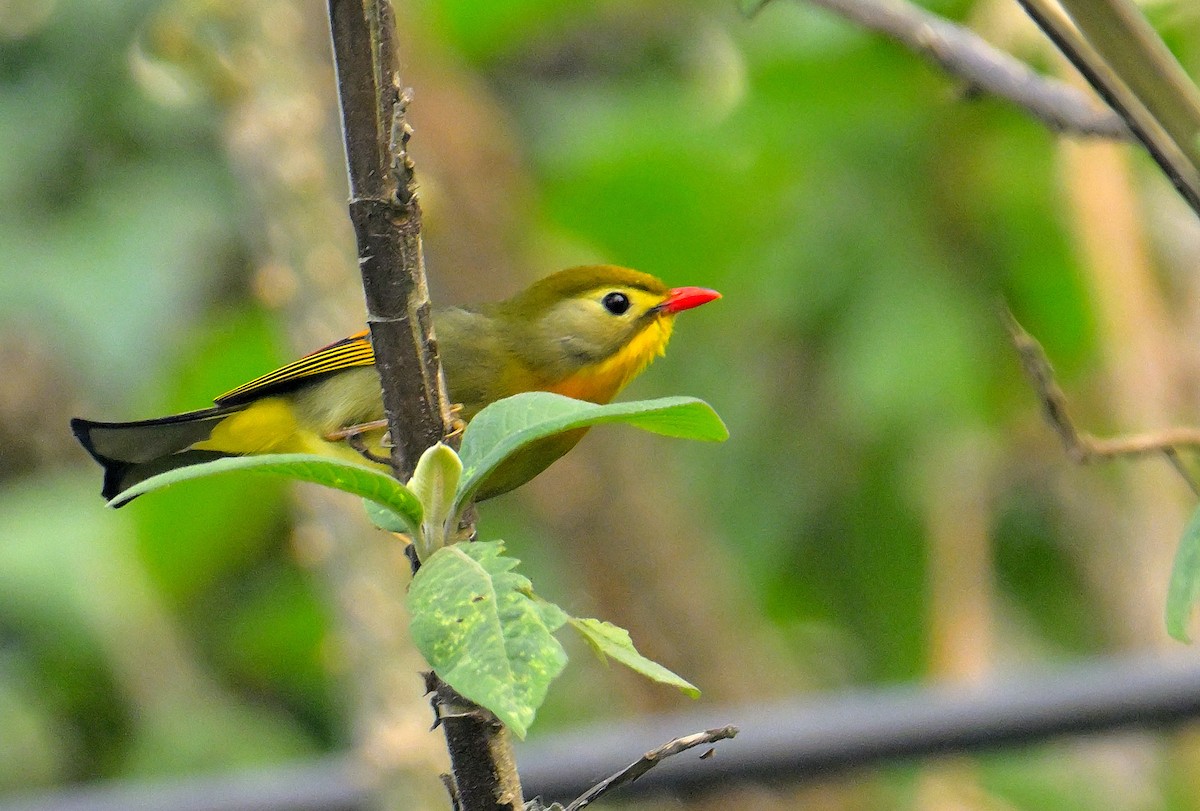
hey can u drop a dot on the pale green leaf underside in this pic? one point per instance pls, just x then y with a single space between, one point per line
434 483
614 642
372 485
435 480
507 425
477 624
1184 589
386 519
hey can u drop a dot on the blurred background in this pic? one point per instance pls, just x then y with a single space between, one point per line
890 507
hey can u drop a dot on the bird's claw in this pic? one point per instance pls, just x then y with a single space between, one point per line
457 424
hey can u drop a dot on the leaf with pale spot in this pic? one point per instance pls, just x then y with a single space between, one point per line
483 632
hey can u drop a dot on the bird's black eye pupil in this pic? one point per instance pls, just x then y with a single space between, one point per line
616 303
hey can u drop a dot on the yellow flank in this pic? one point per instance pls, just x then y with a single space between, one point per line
270 426
603 381
267 426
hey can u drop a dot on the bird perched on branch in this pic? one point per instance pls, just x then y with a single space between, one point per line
583 332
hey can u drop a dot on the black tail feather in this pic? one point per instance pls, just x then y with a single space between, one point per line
131 452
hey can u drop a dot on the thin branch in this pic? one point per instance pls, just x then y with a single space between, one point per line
1081 447
651 759
963 53
1095 69
1119 31
387 222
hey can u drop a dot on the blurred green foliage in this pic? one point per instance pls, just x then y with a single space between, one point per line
862 221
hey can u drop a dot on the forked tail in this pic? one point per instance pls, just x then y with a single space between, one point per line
132 452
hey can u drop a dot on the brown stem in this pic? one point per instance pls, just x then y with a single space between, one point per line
387 222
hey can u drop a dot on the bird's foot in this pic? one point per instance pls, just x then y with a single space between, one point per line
457 423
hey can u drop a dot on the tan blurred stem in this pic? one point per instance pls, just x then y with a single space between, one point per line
957 508
956 481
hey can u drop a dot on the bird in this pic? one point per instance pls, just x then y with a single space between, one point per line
584 332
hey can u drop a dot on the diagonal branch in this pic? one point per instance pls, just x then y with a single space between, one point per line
963 53
1120 32
651 759
1144 124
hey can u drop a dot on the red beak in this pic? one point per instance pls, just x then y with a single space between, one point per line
685 298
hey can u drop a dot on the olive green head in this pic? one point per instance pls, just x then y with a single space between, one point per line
581 319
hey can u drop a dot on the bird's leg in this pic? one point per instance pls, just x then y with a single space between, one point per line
352 435
356 441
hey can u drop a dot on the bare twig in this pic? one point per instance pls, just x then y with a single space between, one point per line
651 759
963 53
1081 447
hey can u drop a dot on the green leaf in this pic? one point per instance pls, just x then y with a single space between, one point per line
610 640
508 425
372 485
433 483
386 519
483 632
1184 588
553 616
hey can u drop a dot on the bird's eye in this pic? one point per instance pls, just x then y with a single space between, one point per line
616 303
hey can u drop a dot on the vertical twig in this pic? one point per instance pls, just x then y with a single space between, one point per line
387 222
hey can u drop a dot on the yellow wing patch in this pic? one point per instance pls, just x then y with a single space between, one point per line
355 350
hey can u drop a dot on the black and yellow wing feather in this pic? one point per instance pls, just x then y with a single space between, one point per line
356 350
